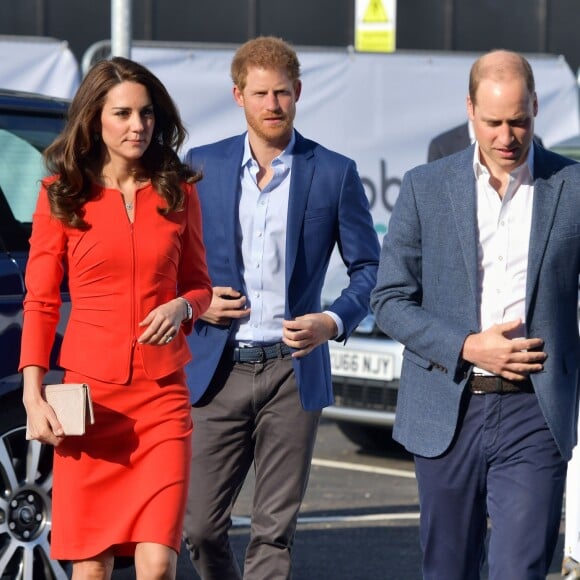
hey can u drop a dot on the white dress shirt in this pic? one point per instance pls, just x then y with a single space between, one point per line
504 227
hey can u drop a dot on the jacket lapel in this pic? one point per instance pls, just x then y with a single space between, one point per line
229 191
462 196
546 196
300 183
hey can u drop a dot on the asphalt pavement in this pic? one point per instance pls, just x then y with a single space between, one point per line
359 519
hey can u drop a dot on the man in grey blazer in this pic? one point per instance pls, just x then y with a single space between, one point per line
449 142
274 206
478 279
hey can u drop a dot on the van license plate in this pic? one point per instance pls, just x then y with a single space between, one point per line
361 364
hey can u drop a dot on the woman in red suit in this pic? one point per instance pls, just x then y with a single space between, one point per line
120 216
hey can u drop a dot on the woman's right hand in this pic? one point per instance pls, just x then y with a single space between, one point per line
42 424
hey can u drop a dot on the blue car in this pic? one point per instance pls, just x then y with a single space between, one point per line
28 123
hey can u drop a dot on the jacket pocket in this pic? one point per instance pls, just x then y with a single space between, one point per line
318 214
565 231
418 360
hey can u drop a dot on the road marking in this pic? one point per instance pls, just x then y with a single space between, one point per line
363 468
244 521
361 518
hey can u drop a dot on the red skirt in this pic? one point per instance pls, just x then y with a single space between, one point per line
125 481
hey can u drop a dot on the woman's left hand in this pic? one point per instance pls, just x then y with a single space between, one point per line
163 323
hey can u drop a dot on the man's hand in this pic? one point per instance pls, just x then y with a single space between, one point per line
509 358
226 304
306 332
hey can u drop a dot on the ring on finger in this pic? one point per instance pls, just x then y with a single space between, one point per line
169 338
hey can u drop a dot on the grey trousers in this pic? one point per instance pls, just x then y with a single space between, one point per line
251 413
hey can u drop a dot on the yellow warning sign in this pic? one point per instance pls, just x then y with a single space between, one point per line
375 12
375 25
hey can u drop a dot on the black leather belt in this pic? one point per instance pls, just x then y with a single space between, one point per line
260 354
483 385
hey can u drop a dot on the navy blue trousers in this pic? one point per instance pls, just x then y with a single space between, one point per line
503 465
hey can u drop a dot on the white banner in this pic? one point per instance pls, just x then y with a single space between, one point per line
380 109
39 65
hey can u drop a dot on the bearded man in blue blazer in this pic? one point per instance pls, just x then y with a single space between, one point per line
274 207
478 279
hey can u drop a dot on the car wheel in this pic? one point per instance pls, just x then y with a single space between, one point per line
25 500
368 437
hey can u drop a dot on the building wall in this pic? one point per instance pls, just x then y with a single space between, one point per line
533 26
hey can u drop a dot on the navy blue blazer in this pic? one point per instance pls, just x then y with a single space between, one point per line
426 294
327 207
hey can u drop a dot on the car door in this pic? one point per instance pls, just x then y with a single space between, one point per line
27 125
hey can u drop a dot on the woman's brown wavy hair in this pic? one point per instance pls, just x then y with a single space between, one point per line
77 155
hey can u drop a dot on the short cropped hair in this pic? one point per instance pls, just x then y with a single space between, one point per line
513 65
266 52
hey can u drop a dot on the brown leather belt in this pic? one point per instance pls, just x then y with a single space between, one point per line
483 385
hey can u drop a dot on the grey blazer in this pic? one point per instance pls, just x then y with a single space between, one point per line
427 287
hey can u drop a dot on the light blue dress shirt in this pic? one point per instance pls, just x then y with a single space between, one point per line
262 239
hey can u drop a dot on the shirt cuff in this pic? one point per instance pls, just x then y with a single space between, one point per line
339 323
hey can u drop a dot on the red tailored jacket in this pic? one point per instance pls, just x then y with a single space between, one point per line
117 272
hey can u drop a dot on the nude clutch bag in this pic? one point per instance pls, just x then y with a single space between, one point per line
73 406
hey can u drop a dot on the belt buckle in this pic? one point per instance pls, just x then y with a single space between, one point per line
261 355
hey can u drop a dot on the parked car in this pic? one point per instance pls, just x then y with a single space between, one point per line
28 123
365 378
569 147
